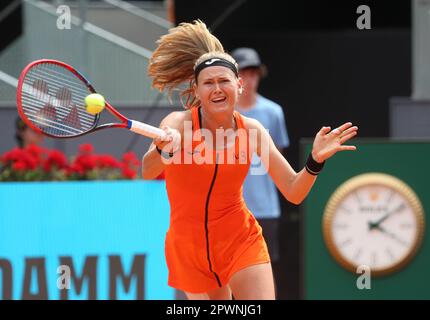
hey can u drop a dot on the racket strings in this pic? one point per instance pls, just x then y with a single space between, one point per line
53 100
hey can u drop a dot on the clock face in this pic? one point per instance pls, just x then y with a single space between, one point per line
374 220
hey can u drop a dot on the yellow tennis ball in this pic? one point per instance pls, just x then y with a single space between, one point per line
95 103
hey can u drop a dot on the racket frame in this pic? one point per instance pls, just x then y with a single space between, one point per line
126 123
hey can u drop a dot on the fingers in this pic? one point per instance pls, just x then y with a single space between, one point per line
171 141
169 134
336 131
347 148
345 126
324 130
167 137
176 141
346 137
344 129
349 130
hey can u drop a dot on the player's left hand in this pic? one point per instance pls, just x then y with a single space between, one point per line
327 142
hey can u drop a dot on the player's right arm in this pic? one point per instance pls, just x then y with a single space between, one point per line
152 161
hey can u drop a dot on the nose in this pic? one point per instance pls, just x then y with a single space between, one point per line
217 87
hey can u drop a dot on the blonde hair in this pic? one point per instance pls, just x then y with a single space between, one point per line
177 54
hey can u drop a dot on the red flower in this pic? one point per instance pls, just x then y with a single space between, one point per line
19 166
31 162
107 161
130 164
86 162
130 159
83 167
13 155
55 159
35 151
86 148
27 160
128 173
75 168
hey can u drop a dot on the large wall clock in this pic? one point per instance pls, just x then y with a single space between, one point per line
375 220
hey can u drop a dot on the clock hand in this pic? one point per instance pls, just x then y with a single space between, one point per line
391 235
373 225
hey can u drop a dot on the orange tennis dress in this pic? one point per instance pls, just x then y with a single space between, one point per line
212 234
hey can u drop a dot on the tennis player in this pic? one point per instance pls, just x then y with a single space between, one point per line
214 246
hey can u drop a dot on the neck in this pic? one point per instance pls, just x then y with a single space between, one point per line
212 122
246 101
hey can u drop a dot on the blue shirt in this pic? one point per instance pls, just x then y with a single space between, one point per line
259 191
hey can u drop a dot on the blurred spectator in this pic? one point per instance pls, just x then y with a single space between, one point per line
25 136
259 191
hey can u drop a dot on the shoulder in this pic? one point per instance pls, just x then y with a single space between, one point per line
257 134
176 119
252 123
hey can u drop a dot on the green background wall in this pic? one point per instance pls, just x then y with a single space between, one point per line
323 278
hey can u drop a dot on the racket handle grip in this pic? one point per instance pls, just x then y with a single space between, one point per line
145 129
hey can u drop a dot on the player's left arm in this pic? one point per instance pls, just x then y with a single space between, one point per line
295 186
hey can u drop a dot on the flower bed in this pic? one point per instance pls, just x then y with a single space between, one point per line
35 163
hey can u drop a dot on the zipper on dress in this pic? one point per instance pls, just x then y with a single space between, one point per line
206 222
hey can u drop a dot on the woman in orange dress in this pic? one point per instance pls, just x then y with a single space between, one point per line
214 246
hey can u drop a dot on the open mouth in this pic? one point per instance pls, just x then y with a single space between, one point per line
219 100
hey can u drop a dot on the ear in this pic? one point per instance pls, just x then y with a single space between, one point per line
240 83
195 90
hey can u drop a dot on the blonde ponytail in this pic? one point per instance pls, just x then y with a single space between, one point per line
173 62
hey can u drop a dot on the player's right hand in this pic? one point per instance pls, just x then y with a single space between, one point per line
171 142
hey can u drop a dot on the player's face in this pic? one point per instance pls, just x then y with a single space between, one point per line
218 88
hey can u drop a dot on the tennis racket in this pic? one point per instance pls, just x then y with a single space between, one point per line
51 100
